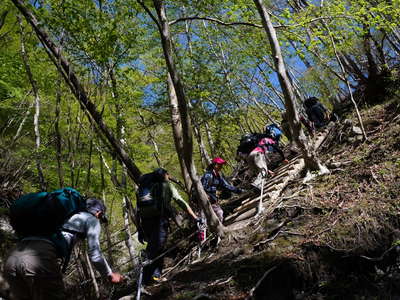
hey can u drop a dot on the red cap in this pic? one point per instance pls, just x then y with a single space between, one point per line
219 160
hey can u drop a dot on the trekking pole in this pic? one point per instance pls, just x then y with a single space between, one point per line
260 204
140 278
201 236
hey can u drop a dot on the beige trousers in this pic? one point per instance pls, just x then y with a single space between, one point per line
33 271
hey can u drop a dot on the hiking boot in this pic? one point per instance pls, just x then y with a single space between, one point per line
158 279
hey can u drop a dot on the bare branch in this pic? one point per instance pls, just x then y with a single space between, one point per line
214 20
150 13
256 25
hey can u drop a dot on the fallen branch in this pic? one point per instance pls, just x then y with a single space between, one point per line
267 240
220 282
259 282
380 257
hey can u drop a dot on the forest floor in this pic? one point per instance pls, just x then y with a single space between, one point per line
334 237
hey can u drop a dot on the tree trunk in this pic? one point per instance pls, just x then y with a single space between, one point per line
177 132
210 139
107 228
76 87
156 152
89 169
25 58
123 184
205 158
166 41
310 157
20 126
60 170
360 122
372 66
92 276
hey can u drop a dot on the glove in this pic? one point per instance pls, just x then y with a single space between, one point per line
263 173
115 278
200 221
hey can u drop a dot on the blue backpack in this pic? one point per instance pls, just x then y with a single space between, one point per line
273 131
43 214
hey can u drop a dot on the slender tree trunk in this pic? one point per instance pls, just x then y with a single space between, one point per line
166 42
310 157
117 184
177 132
156 152
92 276
107 228
71 146
20 126
210 138
89 169
12 119
81 261
58 141
25 58
123 185
205 158
78 148
379 49
372 66
347 82
72 80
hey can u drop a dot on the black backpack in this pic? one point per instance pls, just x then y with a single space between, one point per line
153 196
248 142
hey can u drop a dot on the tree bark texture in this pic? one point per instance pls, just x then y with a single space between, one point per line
57 133
35 90
184 114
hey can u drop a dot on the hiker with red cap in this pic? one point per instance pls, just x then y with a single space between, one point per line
213 181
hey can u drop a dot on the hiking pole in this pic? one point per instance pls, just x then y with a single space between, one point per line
201 235
140 278
260 204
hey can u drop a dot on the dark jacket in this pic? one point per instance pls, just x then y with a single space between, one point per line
212 182
317 114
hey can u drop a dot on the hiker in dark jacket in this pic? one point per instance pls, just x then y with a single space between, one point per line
33 269
316 112
154 226
213 181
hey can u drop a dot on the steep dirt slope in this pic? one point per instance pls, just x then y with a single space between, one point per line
334 237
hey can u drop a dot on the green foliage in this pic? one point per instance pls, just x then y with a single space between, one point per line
227 72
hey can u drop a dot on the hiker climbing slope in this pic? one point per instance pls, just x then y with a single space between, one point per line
154 209
316 112
33 269
254 149
213 181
